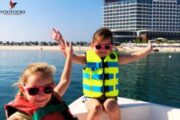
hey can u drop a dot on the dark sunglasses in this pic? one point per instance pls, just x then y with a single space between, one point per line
48 89
107 47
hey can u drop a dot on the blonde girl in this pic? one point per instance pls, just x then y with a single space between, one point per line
38 97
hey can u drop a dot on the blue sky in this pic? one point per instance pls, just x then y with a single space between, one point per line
76 19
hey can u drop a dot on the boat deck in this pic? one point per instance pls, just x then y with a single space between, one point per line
131 110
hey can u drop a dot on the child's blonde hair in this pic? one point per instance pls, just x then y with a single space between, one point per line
33 68
102 34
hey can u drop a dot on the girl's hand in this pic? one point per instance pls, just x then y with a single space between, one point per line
149 46
56 35
68 49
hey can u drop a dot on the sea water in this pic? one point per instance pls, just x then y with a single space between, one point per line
155 78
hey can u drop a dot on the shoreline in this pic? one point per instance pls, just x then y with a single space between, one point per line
123 48
56 48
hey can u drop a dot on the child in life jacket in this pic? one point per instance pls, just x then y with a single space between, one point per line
101 72
38 97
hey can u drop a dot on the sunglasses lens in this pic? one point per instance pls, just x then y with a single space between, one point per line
98 47
107 47
33 91
48 90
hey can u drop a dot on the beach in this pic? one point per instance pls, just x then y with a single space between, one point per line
165 47
39 48
128 47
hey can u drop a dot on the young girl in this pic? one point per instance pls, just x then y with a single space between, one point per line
38 97
101 71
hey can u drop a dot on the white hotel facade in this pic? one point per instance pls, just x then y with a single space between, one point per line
156 18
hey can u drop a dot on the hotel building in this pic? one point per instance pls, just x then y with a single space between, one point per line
131 18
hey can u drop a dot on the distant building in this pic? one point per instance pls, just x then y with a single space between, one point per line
131 18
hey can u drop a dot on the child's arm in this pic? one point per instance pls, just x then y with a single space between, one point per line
125 59
80 59
56 35
65 77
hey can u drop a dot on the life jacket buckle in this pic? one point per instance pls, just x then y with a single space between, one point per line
106 64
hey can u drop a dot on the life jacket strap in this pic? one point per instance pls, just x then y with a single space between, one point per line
100 76
100 89
96 65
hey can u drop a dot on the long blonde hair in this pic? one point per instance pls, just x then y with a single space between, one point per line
33 68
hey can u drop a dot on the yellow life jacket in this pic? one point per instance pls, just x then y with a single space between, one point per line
100 77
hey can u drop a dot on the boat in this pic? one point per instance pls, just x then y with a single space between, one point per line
131 110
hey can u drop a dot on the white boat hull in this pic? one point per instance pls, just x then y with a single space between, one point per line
131 110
